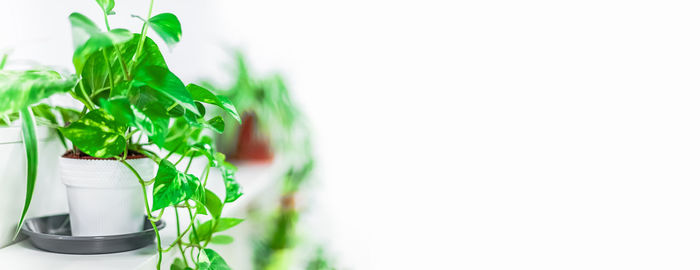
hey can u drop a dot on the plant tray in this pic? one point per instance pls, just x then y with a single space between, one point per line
53 233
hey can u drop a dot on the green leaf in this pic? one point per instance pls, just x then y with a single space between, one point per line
152 122
44 111
106 5
97 134
150 53
159 117
204 95
205 148
215 261
181 136
201 208
82 28
172 186
202 265
68 115
88 39
95 74
32 154
167 26
222 239
21 89
97 42
178 264
150 56
213 203
120 109
233 189
204 230
165 82
217 124
200 108
153 105
219 159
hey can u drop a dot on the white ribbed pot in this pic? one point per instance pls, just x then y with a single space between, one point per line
104 196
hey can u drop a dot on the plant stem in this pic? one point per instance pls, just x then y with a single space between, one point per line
206 175
173 151
150 154
89 103
159 215
126 74
194 231
148 211
179 242
189 163
144 30
179 238
109 70
106 21
213 226
123 64
182 157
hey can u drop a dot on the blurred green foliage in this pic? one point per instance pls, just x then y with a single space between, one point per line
266 98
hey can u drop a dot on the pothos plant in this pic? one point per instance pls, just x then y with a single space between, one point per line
133 103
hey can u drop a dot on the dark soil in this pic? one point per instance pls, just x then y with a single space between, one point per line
81 155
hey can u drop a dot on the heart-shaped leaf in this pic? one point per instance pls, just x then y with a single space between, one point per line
95 74
88 39
216 262
208 228
167 26
106 5
167 83
97 134
172 186
213 203
98 41
204 95
152 121
82 28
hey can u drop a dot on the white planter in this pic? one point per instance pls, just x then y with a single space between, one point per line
104 196
49 195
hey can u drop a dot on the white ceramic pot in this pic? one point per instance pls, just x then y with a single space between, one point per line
104 196
49 195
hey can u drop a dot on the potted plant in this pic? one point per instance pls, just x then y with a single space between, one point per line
268 115
20 110
275 250
134 108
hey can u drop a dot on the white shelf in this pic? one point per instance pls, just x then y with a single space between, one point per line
254 179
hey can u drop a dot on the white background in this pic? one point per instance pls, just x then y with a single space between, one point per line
465 134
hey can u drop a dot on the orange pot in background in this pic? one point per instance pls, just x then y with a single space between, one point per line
251 144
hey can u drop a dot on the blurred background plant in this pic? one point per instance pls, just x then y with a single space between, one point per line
272 127
269 117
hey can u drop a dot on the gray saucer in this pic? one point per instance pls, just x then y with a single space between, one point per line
52 233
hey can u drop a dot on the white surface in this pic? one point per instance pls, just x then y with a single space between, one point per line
49 194
104 196
254 178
